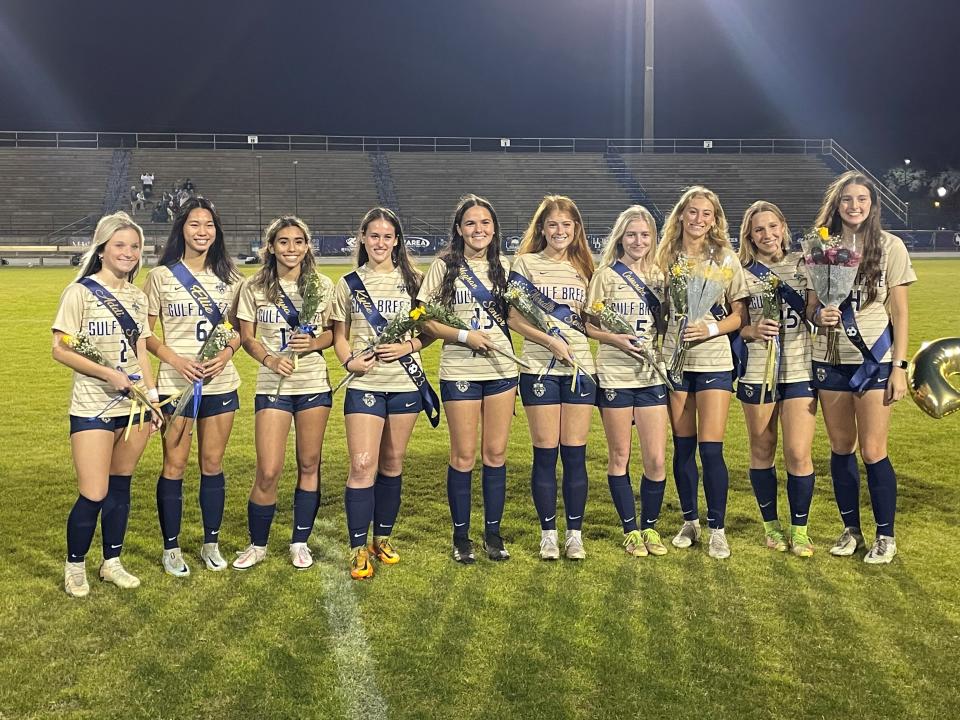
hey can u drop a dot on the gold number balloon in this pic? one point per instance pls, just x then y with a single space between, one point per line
934 377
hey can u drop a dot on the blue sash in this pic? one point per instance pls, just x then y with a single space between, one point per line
288 311
787 294
127 324
738 348
638 286
376 320
871 356
484 298
208 307
558 311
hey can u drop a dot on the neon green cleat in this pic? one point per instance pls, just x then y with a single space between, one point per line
774 536
653 542
633 544
800 544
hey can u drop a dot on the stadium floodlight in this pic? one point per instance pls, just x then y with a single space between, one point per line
906 161
941 192
936 203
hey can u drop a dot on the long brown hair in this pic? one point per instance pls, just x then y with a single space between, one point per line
411 276
267 277
869 232
672 240
578 252
748 248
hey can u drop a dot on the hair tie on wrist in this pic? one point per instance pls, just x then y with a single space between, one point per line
712 329
153 395
462 336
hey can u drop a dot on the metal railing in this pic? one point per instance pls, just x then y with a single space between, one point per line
888 198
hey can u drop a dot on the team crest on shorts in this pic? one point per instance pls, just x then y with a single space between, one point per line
462 386
539 389
368 399
272 398
821 374
610 393
748 390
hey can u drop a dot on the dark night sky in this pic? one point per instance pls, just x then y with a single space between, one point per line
874 74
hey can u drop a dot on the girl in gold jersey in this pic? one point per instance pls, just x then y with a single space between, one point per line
765 254
192 289
478 385
555 259
631 392
383 401
857 396
697 229
288 389
116 325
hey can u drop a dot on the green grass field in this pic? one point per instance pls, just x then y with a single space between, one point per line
757 636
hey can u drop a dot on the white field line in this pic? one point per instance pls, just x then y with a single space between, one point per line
356 668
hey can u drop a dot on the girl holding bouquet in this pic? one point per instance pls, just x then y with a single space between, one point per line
292 382
776 382
383 400
553 267
858 394
695 253
100 333
478 385
191 292
631 392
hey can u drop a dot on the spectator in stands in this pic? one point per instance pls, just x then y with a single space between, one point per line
146 181
159 214
137 201
188 185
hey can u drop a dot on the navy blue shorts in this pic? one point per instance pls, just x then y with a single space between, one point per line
697 381
292 403
837 377
474 389
555 389
632 397
210 405
381 404
749 393
79 424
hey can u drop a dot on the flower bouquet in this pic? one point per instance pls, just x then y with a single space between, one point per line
218 338
440 313
832 265
314 294
770 302
615 322
399 325
518 297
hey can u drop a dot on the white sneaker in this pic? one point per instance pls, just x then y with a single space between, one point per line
882 552
75 579
688 534
573 546
173 563
549 547
112 571
249 557
718 547
300 556
210 554
848 543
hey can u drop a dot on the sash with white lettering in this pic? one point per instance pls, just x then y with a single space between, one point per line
376 320
559 311
738 347
484 298
208 307
127 324
870 368
288 311
638 286
790 296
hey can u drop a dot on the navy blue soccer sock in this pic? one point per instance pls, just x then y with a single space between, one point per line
259 519
882 483
114 514
764 482
651 500
212 499
574 460
623 500
846 487
358 503
170 510
458 497
494 480
685 474
716 483
306 503
543 484
386 504
81 524
800 495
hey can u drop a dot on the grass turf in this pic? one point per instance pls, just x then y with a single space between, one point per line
753 637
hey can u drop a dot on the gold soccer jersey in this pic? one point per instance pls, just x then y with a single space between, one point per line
311 374
459 362
80 311
872 319
390 297
713 354
616 369
185 328
559 281
794 332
